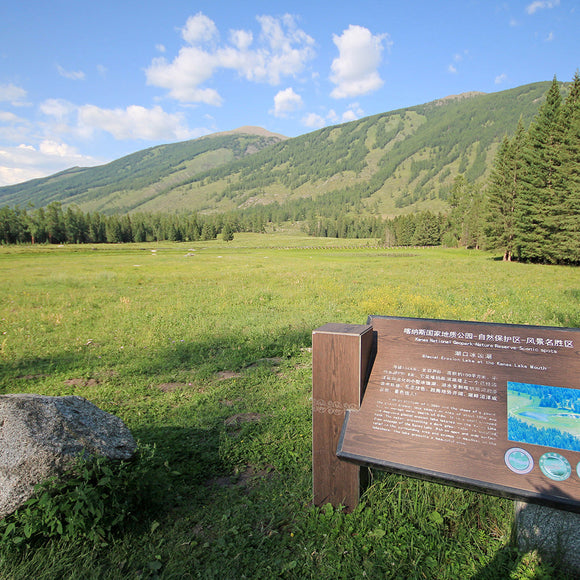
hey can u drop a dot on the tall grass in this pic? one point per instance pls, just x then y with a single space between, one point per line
203 350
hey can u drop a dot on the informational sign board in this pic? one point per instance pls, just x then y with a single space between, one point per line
494 407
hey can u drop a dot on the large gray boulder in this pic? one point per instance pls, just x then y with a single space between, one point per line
40 436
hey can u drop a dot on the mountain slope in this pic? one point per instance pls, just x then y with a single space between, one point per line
125 184
391 163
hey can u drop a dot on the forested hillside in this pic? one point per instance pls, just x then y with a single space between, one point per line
389 162
127 183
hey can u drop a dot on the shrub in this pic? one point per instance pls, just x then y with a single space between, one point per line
92 500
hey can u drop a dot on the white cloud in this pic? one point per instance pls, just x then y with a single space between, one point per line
316 121
458 57
38 157
282 50
12 94
6 117
241 39
70 74
499 79
353 113
354 71
332 117
13 129
26 162
286 101
313 121
289 48
59 109
349 116
134 122
550 37
540 5
199 28
56 149
13 175
182 77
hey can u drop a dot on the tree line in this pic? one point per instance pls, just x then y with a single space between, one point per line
54 224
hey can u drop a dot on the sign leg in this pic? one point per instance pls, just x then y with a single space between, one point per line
341 354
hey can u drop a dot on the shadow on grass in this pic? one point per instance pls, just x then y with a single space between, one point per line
205 356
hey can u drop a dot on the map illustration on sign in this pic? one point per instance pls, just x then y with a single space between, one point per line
542 415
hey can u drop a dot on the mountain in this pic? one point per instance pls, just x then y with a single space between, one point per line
130 182
389 163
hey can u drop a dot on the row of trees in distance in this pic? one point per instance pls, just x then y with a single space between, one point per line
57 225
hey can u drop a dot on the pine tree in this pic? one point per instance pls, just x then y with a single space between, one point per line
568 238
503 192
538 206
207 231
54 223
465 216
227 233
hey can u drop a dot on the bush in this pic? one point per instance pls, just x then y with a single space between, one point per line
93 499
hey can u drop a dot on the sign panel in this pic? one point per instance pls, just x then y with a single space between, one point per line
494 407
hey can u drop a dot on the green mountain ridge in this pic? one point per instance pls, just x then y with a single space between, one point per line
386 164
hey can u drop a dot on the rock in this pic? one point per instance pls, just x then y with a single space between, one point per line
41 436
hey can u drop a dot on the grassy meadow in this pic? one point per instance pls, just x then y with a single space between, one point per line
203 349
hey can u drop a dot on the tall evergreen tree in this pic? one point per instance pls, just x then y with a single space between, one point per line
54 223
465 217
568 237
227 233
503 191
538 206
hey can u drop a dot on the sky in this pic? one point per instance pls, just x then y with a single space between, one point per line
85 82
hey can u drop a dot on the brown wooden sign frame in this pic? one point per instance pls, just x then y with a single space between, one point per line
438 396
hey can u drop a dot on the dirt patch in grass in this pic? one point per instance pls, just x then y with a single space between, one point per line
171 387
263 361
228 403
243 478
224 375
107 373
81 382
239 418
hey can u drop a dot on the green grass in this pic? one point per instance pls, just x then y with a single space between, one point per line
203 350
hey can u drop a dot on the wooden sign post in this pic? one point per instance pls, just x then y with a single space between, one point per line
340 359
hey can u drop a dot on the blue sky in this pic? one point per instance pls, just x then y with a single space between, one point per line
83 83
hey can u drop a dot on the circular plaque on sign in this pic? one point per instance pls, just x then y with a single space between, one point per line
519 460
555 466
